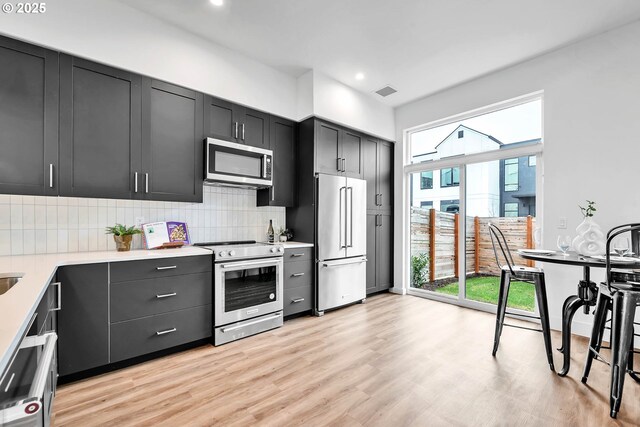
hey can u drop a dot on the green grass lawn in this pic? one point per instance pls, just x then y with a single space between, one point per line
485 289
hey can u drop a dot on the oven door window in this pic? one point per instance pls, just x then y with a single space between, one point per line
249 288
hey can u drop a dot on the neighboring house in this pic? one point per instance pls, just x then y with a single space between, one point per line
440 189
518 184
496 188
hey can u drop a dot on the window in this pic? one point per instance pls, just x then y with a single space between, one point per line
511 175
510 209
449 177
451 206
460 134
426 180
426 205
532 161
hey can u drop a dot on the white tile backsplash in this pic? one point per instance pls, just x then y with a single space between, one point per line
37 224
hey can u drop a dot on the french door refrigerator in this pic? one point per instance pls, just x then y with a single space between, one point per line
341 239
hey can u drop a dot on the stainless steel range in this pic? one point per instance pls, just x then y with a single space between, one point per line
248 288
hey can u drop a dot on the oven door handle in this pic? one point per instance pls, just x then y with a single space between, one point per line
255 322
36 390
250 264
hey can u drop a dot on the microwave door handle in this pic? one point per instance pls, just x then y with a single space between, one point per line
264 165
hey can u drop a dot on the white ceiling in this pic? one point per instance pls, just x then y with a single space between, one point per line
417 46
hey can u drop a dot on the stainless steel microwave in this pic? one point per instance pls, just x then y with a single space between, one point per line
238 165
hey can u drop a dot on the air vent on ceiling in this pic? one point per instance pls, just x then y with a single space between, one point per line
386 91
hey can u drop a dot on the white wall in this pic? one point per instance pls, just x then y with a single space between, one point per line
113 33
590 100
341 104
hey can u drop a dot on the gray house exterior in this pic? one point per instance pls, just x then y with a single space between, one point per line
518 184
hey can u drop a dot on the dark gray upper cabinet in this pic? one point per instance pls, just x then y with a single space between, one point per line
172 135
28 119
385 175
283 143
370 170
338 150
231 122
254 129
221 119
83 321
100 127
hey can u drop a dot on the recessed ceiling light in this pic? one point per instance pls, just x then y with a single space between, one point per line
216 2
359 76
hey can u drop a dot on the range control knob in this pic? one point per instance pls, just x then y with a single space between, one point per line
280 249
232 253
222 253
273 250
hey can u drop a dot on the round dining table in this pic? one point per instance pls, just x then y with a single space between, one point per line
587 294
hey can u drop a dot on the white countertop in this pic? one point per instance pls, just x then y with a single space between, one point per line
294 245
20 302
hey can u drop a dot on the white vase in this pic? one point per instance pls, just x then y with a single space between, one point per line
590 239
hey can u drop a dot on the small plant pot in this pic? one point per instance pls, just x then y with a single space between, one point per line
283 238
123 243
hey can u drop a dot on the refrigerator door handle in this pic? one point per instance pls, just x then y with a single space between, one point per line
343 219
346 261
349 230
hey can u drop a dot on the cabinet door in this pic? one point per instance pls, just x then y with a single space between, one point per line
372 229
83 321
385 175
351 153
254 129
384 256
328 152
283 144
28 119
171 142
100 124
370 170
222 119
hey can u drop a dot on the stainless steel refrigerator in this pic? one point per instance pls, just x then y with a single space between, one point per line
341 220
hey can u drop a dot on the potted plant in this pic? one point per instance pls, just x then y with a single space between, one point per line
282 232
123 235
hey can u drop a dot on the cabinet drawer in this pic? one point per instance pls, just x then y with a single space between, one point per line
299 273
141 336
140 298
297 300
161 267
299 254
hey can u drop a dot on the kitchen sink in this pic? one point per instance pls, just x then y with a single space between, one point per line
8 281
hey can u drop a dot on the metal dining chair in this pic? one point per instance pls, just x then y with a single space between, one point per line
510 271
619 295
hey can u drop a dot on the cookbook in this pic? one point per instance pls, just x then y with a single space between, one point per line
165 234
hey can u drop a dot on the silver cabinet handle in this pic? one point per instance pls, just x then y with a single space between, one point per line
242 127
344 165
170 267
172 294
297 300
339 164
380 200
50 175
59 285
297 274
297 255
135 182
146 182
235 125
168 331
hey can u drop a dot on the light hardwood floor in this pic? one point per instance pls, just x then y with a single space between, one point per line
395 361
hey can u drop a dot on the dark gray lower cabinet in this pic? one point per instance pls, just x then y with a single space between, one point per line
298 280
28 119
379 252
172 136
148 334
83 321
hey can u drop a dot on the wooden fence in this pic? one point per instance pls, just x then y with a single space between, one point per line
436 234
